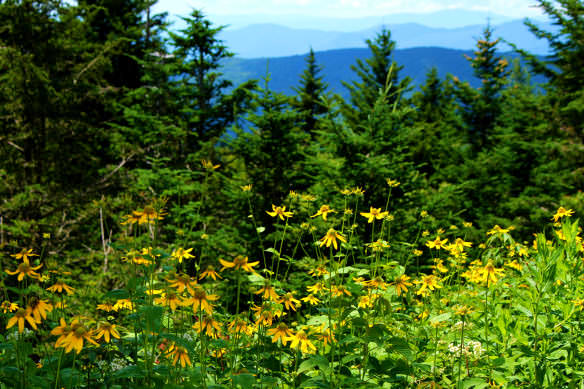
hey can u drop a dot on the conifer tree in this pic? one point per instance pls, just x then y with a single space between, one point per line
375 73
312 88
564 67
480 108
206 110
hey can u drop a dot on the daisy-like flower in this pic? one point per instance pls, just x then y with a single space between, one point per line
182 282
497 230
267 291
208 165
279 212
374 213
180 254
463 310
25 269
367 301
378 246
72 337
240 326
107 330
59 287
331 238
324 211
201 300
437 243
490 274
108 307
317 288
240 262
290 302
311 299
300 340
561 212
280 332
132 218
358 191
339 290
211 326
169 300
24 254
149 215
376 283
392 183
7 306
246 188
428 283
179 354
210 272
401 284
39 308
318 271
123 304
326 336
20 317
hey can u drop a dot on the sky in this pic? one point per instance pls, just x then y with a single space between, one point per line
346 8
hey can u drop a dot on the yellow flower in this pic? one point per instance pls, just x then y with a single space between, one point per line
324 211
279 211
281 332
123 304
106 307
346 192
378 246
180 254
201 300
39 308
7 306
59 287
331 237
311 299
440 266
25 269
490 273
300 340
514 265
467 224
210 272
417 252
374 213
72 337
424 214
240 326
24 254
561 213
318 271
357 191
182 282
268 292
392 183
20 317
463 310
169 300
106 330
497 230
316 288
290 302
429 283
367 301
437 243
211 327
240 262
401 284
246 188
179 354
339 290
208 165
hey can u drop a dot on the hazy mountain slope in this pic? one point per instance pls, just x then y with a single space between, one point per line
270 40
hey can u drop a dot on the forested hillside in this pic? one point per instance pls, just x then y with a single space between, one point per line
134 174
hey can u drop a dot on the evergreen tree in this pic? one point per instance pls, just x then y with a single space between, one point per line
564 67
480 108
206 111
375 74
312 88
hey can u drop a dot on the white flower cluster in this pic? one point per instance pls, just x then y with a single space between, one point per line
115 365
472 349
458 325
13 336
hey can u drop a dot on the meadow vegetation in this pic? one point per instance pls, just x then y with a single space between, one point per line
163 228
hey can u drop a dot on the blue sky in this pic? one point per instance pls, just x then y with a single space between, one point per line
346 8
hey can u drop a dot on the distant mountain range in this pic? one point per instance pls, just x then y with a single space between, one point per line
285 72
272 40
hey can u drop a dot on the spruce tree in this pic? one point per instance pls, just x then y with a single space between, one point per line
309 95
480 108
375 74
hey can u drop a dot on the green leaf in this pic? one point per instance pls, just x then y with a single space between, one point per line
243 381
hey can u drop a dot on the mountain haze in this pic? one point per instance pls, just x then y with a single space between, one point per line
272 40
